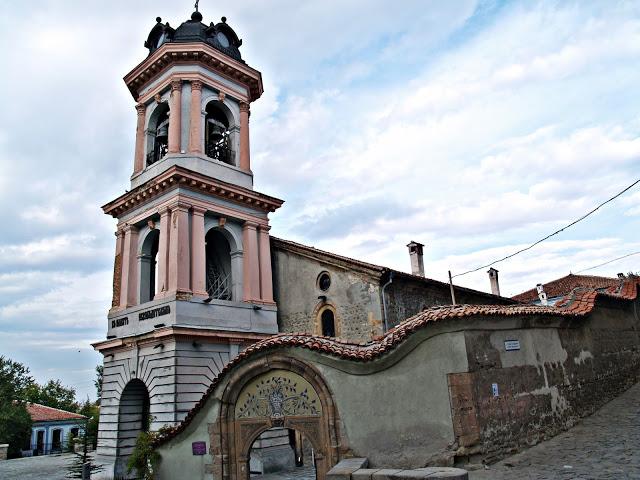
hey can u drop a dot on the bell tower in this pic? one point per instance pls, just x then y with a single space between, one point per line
192 282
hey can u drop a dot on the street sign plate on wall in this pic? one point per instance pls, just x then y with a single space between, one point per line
199 448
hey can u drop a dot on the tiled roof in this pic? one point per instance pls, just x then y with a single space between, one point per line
562 286
579 303
41 413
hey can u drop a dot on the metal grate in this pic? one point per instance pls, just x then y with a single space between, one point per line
218 285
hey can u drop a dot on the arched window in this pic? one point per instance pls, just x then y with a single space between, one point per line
328 323
133 415
148 266
218 268
158 134
217 134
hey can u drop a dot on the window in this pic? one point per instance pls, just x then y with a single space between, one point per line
324 281
217 135
328 323
218 269
148 266
158 133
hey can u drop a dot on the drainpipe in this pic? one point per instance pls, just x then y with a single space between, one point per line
384 301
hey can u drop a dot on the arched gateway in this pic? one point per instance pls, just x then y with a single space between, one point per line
273 392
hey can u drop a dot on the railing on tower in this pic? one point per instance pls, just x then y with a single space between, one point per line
218 283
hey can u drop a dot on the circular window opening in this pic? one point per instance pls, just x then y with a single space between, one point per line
324 281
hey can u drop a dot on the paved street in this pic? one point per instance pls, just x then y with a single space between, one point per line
603 446
49 467
303 473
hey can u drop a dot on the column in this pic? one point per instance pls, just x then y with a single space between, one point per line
175 112
117 269
163 252
179 249
251 275
198 252
138 162
245 163
195 117
266 280
128 293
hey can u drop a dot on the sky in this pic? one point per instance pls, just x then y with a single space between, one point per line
474 127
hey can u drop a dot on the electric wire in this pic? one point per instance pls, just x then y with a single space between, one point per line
551 234
610 261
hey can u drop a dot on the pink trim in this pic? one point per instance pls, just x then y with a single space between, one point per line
138 163
245 162
163 252
175 113
198 252
128 291
179 249
266 280
195 117
251 275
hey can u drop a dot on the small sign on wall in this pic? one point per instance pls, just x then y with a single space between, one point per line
494 389
510 345
199 448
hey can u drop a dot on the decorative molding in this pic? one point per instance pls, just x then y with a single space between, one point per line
221 96
141 108
196 85
244 107
176 85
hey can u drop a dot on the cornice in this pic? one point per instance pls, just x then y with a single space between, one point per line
175 53
176 177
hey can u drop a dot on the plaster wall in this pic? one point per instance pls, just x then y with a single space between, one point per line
354 295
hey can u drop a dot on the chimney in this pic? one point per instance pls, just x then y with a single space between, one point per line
493 279
542 295
417 262
621 276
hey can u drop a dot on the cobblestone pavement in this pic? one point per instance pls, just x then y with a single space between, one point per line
302 473
603 446
49 467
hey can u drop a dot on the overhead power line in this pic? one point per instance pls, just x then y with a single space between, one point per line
610 261
551 234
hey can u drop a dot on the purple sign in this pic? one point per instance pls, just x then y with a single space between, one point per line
199 448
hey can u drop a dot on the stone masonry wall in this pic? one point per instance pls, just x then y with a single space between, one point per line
560 374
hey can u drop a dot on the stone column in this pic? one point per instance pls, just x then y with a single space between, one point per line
266 280
245 162
179 264
195 117
198 252
138 163
128 293
117 269
175 112
251 275
163 252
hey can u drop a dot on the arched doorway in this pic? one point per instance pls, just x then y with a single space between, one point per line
279 452
275 393
133 418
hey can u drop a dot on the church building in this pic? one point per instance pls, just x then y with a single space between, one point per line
197 277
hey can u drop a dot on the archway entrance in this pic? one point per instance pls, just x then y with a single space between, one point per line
133 418
282 453
275 396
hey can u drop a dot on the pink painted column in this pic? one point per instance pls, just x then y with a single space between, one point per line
129 283
266 280
250 268
245 161
195 117
179 249
175 112
163 252
198 252
138 163
117 269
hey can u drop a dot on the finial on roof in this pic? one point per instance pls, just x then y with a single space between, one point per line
158 19
224 19
196 5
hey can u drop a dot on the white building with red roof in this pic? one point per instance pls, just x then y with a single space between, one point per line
51 428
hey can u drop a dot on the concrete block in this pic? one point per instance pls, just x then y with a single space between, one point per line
385 474
363 473
449 473
344 468
4 449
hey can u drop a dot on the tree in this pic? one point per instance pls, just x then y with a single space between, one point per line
15 421
92 412
98 381
52 394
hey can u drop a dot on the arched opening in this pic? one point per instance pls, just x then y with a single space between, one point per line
328 323
218 266
217 134
149 266
133 418
158 134
279 452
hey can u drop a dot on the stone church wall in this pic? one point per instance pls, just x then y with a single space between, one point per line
353 294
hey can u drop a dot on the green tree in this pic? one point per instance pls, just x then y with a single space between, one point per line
91 410
52 394
15 421
98 381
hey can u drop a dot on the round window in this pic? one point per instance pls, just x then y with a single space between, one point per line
324 281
